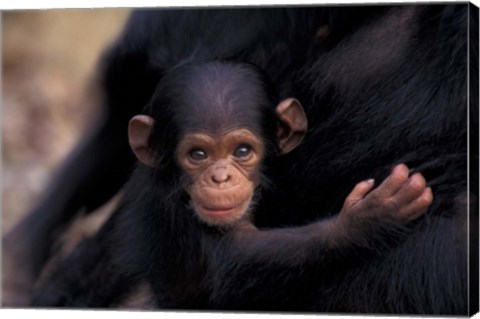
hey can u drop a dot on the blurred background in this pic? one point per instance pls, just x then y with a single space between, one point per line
49 62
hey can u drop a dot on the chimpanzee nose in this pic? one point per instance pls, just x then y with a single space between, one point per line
221 175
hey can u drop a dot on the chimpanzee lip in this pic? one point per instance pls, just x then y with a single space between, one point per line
218 211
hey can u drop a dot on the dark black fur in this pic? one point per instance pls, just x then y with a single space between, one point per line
387 85
156 237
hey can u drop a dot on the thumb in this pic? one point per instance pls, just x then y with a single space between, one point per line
358 192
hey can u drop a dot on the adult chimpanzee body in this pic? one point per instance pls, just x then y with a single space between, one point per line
380 85
212 130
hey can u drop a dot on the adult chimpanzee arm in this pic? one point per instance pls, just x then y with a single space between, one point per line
92 173
88 277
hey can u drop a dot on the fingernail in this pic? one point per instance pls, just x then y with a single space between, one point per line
370 181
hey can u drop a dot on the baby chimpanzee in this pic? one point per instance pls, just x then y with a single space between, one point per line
211 132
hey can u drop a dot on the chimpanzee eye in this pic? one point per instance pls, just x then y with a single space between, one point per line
243 151
198 154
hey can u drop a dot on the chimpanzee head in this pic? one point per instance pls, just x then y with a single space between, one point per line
217 122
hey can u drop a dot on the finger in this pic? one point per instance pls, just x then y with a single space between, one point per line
359 192
412 189
394 182
419 206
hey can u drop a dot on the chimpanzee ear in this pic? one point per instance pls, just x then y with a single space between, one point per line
293 125
139 130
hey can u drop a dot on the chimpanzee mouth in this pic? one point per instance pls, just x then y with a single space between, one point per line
217 211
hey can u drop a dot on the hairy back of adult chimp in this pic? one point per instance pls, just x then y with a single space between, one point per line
395 90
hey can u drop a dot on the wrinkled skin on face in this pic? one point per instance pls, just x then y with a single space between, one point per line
224 172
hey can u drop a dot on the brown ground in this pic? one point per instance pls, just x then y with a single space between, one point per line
49 57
